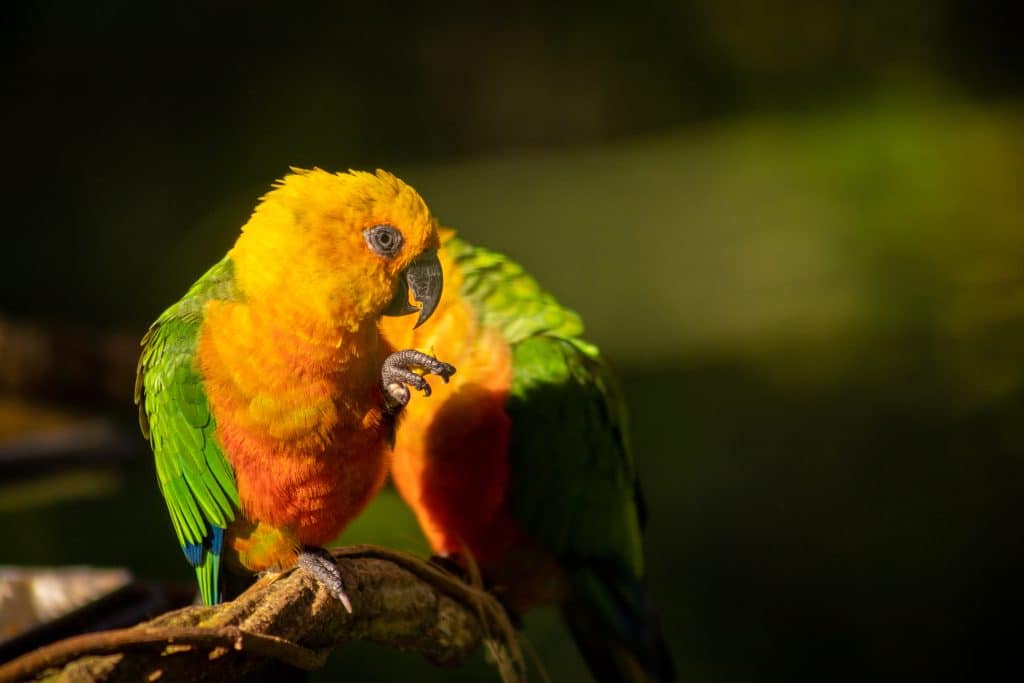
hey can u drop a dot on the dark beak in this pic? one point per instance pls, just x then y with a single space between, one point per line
424 280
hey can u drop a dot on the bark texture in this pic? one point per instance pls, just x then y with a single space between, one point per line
398 601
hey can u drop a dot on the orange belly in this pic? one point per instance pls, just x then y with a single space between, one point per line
315 495
302 422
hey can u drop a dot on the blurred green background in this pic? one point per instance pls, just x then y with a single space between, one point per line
796 229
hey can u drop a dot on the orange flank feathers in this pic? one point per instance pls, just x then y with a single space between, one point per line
261 545
292 368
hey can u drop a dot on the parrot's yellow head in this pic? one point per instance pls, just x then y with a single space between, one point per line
346 247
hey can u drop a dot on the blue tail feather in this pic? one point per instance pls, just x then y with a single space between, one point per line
217 540
193 553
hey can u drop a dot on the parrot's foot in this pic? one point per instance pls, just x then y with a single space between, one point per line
398 371
324 569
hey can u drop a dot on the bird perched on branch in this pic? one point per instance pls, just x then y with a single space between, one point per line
522 462
267 392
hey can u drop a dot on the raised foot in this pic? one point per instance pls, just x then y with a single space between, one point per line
397 374
324 569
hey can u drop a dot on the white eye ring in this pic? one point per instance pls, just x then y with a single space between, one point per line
383 240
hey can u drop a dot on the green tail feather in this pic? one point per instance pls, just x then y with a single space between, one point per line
208 570
208 574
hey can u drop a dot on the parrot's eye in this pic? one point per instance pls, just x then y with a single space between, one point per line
384 240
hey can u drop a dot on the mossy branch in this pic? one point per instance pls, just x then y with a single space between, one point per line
398 601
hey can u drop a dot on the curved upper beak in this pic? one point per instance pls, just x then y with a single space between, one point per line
423 279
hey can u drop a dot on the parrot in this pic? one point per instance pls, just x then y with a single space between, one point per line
520 468
267 392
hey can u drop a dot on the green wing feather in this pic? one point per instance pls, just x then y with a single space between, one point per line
574 485
195 478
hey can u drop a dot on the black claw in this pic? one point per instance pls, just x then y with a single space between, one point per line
403 376
418 382
444 371
324 569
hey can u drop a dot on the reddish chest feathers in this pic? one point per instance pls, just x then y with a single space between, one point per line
451 465
300 420
451 460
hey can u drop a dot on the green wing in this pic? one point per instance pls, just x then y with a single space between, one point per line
508 298
574 487
195 478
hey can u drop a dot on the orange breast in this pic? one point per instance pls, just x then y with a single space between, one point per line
300 421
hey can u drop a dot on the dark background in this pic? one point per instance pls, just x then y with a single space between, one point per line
796 228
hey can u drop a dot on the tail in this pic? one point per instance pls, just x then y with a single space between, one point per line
616 630
205 558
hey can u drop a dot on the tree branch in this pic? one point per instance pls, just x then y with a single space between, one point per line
397 600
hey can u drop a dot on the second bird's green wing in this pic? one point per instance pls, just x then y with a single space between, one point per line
195 477
574 486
